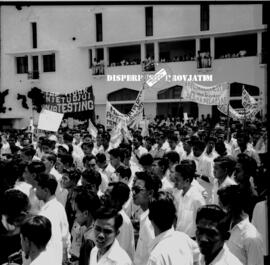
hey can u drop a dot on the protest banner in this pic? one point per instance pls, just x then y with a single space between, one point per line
113 116
49 120
77 101
136 112
214 95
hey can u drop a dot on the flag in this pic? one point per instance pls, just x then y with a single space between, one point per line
247 100
92 129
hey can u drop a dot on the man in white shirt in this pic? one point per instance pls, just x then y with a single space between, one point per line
204 168
55 212
35 234
212 231
244 147
116 196
222 179
174 146
138 149
245 241
107 250
190 199
169 246
146 185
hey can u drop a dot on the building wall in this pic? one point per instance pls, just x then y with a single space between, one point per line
57 25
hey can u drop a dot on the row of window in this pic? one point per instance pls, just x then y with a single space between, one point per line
149 21
204 20
48 63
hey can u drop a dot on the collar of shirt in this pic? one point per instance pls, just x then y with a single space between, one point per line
241 224
114 252
144 215
162 236
219 257
48 203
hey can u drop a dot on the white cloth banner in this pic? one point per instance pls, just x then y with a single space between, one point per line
242 114
113 116
49 120
247 100
214 95
136 111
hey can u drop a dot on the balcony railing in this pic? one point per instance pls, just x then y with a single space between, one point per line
33 75
98 69
204 61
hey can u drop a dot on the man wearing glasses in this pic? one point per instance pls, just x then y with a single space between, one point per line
145 187
107 250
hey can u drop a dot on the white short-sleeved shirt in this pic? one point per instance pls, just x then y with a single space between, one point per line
246 243
173 248
224 257
114 256
187 210
126 235
146 237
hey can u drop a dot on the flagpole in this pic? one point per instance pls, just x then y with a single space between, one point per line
244 125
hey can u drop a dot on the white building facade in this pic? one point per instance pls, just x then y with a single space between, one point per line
60 49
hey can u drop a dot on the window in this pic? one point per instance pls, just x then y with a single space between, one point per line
90 59
204 17
22 65
49 63
99 27
34 34
265 14
149 21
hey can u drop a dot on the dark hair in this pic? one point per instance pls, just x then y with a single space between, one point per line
124 172
66 159
47 181
191 163
146 159
186 171
74 174
15 204
199 144
108 213
51 156
221 148
138 137
116 152
163 162
92 176
173 137
215 214
223 161
152 181
234 197
29 151
173 157
88 145
162 203
248 163
37 229
120 192
101 157
88 158
36 167
67 137
86 200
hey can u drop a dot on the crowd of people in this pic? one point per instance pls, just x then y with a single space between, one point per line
177 193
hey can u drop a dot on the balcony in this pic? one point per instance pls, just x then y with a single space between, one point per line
33 75
98 69
204 61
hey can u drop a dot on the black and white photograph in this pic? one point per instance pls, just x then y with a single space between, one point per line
134 133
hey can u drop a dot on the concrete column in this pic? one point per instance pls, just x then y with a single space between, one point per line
106 56
143 52
212 47
156 52
259 43
197 46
